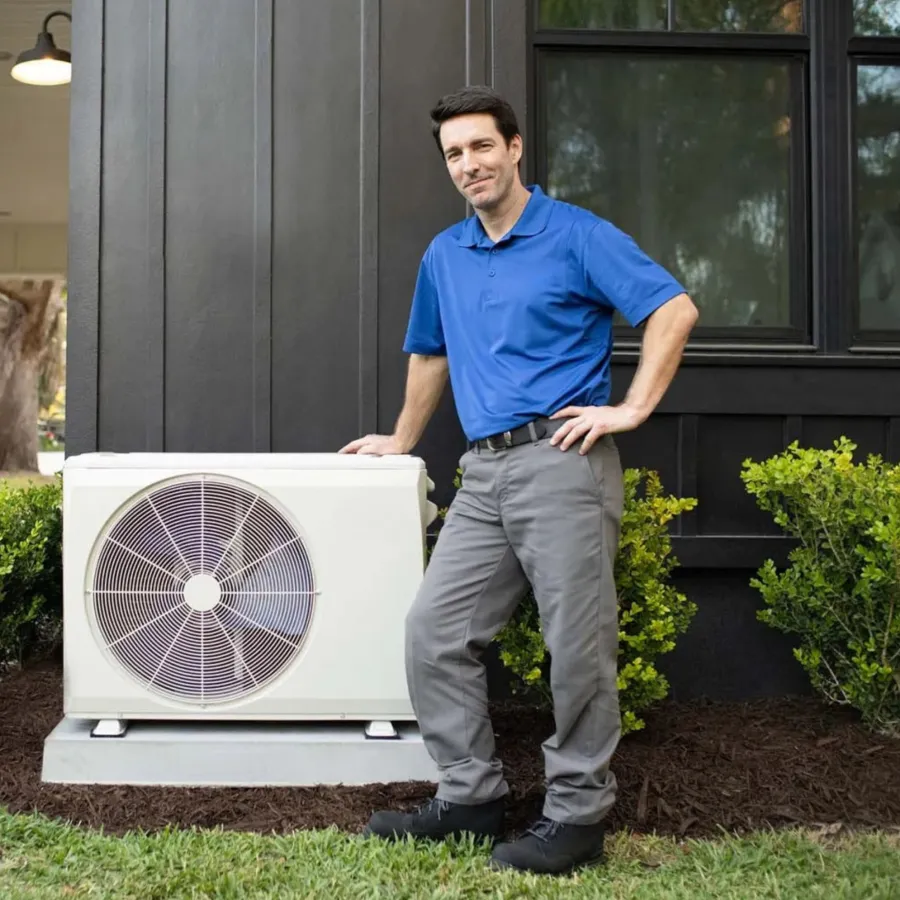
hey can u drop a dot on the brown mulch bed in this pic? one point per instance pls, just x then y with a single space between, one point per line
696 769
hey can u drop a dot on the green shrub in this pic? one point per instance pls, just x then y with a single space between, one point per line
652 613
841 593
30 565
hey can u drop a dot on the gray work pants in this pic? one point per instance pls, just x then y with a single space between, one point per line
528 514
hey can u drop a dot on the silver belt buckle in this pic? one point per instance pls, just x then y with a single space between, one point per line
507 441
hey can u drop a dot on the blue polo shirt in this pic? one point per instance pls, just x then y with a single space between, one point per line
526 322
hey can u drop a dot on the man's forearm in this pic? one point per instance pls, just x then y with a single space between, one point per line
425 382
664 340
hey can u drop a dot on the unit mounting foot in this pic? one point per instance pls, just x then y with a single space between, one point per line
382 731
109 728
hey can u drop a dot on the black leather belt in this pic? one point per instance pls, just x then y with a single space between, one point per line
524 434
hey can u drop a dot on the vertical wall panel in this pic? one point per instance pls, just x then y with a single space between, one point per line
478 42
369 168
423 55
262 228
893 439
210 243
316 254
127 342
85 239
509 63
727 653
869 433
655 446
155 334
688 466
724 443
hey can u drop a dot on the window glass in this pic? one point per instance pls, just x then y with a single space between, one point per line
876 17
739 15
878 196
692 15
601 14
691 157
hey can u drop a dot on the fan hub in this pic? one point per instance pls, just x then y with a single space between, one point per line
202 592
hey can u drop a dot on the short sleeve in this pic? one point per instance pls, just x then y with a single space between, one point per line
619 273
425 333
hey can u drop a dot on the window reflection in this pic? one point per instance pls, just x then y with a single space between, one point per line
740 15
689 156
876 17
690 15
645 15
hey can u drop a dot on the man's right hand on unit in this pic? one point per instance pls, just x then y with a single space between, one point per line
375 445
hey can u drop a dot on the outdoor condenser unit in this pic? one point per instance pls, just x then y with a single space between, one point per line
253 587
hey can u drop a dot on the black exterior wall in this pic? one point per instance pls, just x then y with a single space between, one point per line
253 184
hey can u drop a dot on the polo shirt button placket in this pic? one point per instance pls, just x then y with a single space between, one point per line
491 262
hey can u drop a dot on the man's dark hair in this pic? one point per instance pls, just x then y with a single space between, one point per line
470 100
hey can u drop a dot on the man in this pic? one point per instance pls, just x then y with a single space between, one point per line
515 304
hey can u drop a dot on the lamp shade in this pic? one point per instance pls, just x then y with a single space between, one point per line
45 63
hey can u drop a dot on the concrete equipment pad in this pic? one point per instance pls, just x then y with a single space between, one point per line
226 754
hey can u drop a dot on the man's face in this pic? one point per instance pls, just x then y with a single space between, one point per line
482 166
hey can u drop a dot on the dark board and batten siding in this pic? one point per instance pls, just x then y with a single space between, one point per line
253 185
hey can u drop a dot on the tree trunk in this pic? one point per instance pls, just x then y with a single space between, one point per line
28 316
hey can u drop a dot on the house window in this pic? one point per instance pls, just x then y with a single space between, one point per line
684 124
692 157
687 124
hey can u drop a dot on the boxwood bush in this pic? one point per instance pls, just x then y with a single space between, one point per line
30 568
840 595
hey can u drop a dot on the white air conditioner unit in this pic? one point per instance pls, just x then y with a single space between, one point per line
240 586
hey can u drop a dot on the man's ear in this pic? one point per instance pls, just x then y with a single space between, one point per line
515 146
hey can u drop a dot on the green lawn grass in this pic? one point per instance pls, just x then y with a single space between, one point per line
40 858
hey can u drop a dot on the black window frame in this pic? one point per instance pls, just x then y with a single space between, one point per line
822 239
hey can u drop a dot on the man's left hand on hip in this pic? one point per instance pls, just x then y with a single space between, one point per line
591 423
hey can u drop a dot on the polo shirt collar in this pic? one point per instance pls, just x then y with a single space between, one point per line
533 220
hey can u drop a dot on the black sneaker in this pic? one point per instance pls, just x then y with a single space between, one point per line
552 848
438 819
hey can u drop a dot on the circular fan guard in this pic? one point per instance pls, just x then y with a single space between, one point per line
202 590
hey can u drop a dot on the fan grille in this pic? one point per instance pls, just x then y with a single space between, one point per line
202 590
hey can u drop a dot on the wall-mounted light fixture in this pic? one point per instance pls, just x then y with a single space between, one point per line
44 64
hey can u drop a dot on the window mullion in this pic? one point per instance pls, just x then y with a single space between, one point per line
675 41
832 232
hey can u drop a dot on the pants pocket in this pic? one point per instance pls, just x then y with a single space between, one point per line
603 454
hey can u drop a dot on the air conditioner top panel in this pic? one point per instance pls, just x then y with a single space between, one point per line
200 461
